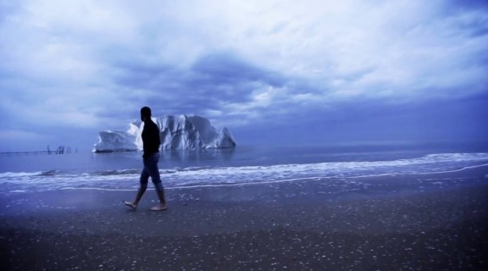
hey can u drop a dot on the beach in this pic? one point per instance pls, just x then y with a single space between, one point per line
398 222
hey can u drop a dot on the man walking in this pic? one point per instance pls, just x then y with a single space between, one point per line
150 157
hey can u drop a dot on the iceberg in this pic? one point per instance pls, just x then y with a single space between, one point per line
179 132
117 141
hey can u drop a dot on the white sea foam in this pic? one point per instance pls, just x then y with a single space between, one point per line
19 174
122 180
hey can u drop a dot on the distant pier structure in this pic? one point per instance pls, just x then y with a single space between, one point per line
59 150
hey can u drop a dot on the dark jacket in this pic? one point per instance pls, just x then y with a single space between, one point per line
150 138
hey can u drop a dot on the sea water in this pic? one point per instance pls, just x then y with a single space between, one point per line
244 165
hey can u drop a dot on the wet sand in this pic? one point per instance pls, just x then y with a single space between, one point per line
409 222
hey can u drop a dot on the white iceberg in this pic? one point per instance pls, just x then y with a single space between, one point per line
176 133
117 141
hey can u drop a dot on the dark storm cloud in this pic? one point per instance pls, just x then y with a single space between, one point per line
228 69
474 27
212 80
144 75
468 4
469 23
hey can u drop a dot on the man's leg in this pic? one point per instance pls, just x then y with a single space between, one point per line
162 199
142 188
140 193
156 179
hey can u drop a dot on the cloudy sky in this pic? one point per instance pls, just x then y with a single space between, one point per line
314 71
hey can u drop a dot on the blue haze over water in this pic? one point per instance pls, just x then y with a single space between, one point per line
244 165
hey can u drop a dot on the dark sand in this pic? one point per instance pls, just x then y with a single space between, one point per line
409 222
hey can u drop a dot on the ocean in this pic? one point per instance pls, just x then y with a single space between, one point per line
244 165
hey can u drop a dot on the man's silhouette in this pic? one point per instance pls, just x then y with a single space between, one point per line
150 157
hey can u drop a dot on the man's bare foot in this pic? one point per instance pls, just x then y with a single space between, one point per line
159 207
130 205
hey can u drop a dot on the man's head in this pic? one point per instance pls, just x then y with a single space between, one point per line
145 113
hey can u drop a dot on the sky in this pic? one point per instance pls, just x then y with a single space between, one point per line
272 71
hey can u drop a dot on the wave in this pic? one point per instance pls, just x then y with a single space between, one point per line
127 179
19 174
116 172
48 173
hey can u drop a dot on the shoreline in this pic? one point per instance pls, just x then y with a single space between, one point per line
397 222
